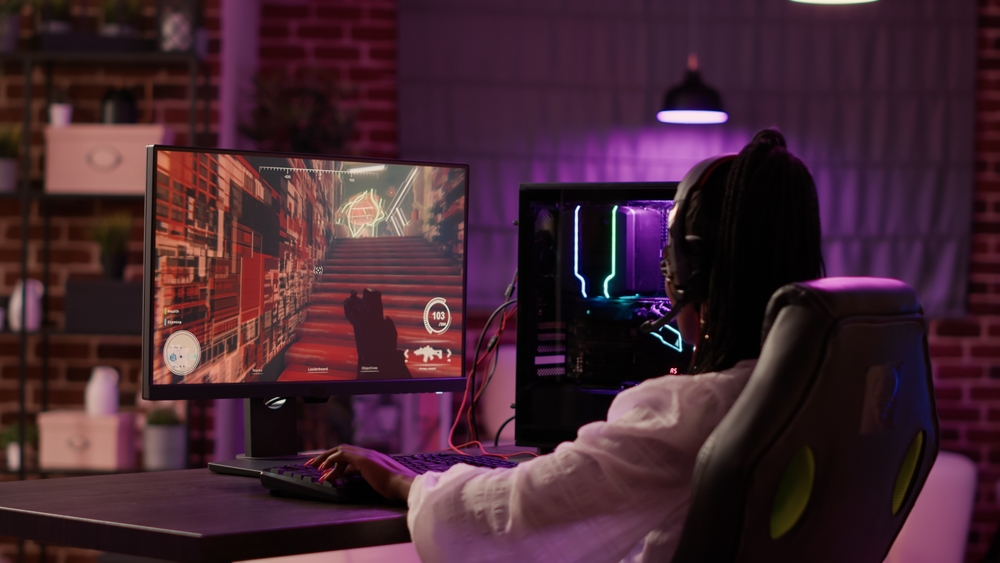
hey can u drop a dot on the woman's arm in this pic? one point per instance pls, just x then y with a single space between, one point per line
590 500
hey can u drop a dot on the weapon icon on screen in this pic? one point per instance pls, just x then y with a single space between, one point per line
427 353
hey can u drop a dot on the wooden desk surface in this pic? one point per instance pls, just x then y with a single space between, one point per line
192 515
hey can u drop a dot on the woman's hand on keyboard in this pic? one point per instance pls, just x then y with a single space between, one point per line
384 474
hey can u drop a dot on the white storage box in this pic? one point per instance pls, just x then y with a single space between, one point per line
74 440
100 159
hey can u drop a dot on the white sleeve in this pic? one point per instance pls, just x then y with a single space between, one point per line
591 500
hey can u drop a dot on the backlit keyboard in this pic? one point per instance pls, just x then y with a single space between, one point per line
302 480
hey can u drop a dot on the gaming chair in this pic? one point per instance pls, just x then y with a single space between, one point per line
824 453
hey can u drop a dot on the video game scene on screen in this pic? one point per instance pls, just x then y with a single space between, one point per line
276 269
597 267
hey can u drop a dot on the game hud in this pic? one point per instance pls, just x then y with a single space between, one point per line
288 269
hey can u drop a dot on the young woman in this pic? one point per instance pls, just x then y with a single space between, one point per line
621 490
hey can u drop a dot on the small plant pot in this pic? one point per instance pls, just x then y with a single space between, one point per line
10 32
114 265
164 447
8 175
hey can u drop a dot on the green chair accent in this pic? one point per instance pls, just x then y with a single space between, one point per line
793 492
906 471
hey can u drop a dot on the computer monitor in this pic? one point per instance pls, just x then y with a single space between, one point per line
290 275
589 276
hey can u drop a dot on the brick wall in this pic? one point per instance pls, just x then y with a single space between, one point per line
965 352
350 41
162 96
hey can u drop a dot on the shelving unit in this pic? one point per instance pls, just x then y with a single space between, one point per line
31 192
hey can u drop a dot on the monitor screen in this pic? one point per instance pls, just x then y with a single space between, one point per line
297 275
589 271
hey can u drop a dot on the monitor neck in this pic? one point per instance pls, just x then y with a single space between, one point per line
269 431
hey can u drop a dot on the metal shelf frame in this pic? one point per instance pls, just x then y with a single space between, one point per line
29 191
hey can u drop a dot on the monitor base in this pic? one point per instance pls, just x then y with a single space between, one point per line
252 466
270 438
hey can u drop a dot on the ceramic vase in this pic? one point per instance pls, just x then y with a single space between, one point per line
60 115
10 32
30 301
13 456
114 265
8 175
101 396
164 447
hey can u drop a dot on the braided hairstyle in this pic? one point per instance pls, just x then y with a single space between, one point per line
768 236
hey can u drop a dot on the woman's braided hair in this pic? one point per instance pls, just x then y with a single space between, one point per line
768 236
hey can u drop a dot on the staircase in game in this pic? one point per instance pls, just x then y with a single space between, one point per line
409 271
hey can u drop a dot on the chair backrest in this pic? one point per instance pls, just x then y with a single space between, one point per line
823 454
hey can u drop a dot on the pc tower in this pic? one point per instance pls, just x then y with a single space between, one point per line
589 274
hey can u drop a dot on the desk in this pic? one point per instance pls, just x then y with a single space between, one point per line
191 515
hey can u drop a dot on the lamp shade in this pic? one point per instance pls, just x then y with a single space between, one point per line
693 101
833 1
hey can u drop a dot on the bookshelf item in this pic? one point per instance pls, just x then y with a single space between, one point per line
74 440
99 159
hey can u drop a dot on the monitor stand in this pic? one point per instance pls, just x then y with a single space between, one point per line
270 438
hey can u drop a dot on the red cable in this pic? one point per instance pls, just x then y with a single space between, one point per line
465 395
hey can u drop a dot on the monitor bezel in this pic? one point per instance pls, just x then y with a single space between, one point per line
580 402
278 389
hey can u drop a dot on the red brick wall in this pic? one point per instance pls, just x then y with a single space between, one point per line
357 46
161 93
351 41
965 353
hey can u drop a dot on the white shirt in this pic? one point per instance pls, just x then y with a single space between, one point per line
619 492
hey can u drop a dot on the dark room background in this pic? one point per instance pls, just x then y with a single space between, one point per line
877 99
894 106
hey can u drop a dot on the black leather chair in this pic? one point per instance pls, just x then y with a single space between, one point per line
824 453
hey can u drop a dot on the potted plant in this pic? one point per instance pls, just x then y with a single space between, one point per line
10 443
10 24
120 17
164 440
112 233
298 115
177 22
10 146
54 16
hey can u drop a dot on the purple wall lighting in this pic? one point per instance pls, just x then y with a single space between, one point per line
877 100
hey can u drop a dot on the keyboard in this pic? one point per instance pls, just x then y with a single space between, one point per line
302 480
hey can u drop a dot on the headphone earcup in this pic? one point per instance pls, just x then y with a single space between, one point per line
688 255
696 283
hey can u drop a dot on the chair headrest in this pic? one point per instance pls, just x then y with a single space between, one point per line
845 297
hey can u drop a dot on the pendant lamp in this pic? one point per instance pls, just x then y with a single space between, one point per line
692 102
833 1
